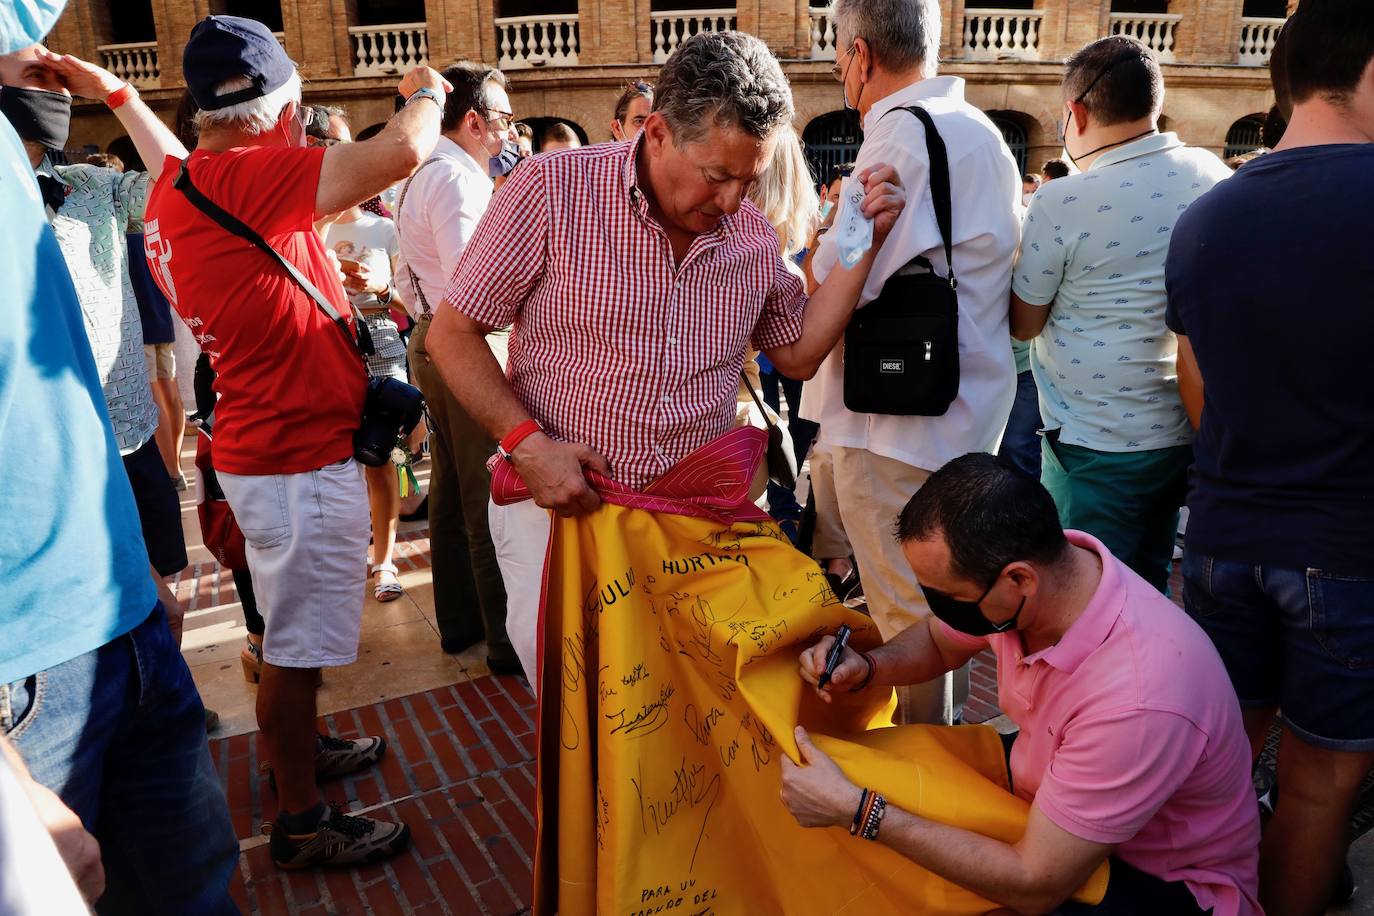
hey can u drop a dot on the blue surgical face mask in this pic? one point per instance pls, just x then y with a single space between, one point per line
504 161
826 208
26 22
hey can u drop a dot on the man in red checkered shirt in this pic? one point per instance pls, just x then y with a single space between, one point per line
634 275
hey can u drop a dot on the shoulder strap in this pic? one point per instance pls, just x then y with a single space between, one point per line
425 310
231 223
743 377
939 183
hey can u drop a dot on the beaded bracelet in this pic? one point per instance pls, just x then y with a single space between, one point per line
859 814
875 817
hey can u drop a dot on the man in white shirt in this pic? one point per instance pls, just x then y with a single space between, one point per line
887 57
436 215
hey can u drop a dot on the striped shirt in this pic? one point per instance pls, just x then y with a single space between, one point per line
612 344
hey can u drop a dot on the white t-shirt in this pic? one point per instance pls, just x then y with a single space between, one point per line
370 240
986 190
33 877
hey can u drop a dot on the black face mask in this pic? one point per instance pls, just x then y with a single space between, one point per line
37 115
966 616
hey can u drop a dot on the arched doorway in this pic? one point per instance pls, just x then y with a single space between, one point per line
1013 128
124 148
1244 136
539 125
832 139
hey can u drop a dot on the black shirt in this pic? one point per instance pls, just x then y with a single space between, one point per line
1271 276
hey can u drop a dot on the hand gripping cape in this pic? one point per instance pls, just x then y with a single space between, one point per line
671 625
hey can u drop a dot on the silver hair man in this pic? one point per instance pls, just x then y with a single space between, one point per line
727 79
902 35
255 116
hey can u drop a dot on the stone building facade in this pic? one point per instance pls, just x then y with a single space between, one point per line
568 59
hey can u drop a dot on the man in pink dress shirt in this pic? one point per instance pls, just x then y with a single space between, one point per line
1131 745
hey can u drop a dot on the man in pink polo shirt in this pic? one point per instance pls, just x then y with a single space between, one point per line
1131 745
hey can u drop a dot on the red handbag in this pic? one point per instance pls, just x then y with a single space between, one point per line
218 528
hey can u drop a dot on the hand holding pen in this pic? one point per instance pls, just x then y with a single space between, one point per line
832 664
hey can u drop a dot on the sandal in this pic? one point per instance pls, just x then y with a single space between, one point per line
386 589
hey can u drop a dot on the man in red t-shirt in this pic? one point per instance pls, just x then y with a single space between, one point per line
291 389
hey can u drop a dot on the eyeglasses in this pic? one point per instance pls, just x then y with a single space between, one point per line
501 120
641 87
836 70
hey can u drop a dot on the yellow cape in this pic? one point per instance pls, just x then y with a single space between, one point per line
669 691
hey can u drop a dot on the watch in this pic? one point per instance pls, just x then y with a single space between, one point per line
424 92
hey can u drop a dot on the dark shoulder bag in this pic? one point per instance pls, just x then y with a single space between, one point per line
901 351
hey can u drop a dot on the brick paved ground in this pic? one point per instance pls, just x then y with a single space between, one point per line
459 770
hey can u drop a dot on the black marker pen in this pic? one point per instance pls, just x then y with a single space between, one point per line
832 658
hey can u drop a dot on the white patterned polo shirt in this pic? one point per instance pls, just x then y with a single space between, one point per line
103 205
1092 249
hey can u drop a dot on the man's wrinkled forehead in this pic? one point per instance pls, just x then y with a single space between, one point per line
722 150
24 70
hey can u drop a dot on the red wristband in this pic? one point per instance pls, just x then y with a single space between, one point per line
513 438
120 96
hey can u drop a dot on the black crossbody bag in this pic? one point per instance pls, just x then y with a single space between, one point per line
391 408
901 351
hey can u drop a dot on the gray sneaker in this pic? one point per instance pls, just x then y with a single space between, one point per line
339 839
336 757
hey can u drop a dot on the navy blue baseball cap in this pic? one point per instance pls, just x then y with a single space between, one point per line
223 47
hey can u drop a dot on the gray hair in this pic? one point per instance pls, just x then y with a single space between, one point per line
728 79
255 116
901 34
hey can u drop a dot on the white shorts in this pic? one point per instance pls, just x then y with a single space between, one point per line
520 534
307 550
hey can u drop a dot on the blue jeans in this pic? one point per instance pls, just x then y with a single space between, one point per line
119 734
1298 639
1021 441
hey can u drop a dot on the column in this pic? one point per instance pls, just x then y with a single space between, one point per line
82 27
613 32
317 36
1070 24
1216 28
174 20
748 18
453 32
801 29
952 30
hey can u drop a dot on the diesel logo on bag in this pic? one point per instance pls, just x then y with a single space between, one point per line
892 366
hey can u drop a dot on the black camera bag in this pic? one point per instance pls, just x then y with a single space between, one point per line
901 351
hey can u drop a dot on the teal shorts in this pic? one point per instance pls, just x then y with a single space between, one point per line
1127 500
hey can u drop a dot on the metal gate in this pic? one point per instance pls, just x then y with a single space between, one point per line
1015 136
832 139
1243 137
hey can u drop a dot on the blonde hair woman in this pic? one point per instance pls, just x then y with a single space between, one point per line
786 196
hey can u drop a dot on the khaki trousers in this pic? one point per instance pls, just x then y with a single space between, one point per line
469 595
872 491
